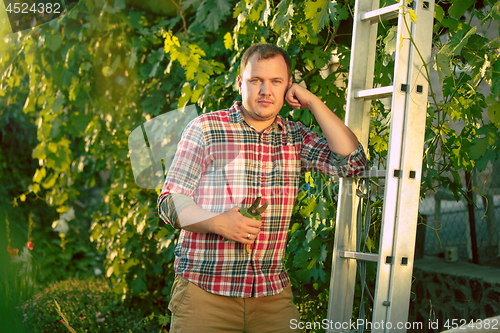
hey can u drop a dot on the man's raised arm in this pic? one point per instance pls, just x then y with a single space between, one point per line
341 139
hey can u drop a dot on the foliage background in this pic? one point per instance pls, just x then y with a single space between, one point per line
72 90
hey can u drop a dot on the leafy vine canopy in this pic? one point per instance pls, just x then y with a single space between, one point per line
89 78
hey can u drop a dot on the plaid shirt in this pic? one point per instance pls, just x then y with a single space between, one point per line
222 162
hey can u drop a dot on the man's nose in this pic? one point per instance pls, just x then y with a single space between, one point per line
265 88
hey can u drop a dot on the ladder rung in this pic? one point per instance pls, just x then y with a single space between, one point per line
374 93
359 256
372 174
382 14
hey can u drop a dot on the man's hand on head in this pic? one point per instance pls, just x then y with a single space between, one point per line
299 97
340 138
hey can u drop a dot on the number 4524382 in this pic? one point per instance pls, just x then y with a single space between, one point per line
474 323
40 8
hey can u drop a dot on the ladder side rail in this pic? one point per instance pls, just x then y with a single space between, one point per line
361 69
343 275
362 62
413 146
392 190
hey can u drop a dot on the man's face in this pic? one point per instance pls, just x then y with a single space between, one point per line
263 85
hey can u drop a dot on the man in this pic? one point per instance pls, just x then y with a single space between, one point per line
224 161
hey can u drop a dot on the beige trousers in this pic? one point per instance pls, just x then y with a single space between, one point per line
196 311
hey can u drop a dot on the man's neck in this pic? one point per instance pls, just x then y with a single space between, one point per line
259 126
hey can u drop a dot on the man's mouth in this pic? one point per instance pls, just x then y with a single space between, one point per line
265 102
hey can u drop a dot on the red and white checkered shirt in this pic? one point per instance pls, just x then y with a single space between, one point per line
222 162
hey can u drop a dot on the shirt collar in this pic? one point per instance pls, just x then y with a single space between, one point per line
236 116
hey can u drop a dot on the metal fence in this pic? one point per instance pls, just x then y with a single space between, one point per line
448 222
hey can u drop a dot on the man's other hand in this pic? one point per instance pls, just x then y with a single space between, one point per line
234 226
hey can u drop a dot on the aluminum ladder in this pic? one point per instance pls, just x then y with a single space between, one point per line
409 93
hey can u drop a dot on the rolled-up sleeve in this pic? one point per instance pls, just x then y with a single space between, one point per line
184 173
348 166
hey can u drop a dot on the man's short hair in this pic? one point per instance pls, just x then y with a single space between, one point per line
265 51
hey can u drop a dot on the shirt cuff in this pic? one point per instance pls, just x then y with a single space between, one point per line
353 164
171 206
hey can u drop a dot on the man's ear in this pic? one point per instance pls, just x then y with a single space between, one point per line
290 82
239 83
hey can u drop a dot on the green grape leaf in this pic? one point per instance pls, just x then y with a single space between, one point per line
53 42
478 148
138 284
458 8
454 47
212 13
283 15
390 40
494 112
438 13
309 206
50 181
228 41
317 12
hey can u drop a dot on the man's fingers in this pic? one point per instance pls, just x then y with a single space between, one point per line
292 100
237 227
249 238
252 228
253 223
298 97
290 96
253 231
292 103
